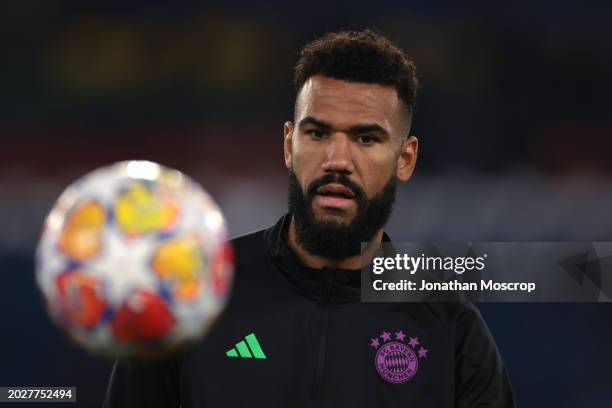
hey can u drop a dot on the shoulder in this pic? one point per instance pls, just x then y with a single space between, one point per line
249 239
249 248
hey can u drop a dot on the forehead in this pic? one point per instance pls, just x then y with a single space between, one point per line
343 103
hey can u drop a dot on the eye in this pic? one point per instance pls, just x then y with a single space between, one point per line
316 134
366 139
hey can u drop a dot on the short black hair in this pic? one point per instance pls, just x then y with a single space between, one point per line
359 56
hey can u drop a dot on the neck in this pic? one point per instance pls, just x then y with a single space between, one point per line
318 262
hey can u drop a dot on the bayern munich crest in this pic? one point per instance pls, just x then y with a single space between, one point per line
397 359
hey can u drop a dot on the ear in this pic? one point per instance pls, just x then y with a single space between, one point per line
407 158
288 143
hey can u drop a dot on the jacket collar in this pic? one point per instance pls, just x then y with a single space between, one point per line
325 285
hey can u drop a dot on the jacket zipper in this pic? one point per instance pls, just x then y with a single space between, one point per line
321 356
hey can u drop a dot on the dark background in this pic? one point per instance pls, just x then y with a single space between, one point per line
513 120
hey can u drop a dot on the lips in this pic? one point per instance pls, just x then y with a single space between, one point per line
336 190
335 196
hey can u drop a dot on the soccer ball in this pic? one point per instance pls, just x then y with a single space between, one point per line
134 260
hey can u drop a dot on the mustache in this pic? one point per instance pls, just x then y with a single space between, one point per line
338 178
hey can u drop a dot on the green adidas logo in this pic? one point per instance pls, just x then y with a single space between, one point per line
242 350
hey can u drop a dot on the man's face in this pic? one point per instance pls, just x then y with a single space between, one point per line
346 147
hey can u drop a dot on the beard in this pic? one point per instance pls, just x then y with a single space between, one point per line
332 239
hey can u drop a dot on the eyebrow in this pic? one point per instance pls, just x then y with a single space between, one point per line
361 128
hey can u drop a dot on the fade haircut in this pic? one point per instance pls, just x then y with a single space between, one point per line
359 56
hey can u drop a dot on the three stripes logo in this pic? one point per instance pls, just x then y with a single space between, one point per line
247 348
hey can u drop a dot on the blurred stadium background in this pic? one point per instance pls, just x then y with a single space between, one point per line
513 119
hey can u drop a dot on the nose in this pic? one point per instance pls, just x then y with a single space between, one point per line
338 156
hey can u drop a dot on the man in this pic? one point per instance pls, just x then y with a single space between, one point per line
294 332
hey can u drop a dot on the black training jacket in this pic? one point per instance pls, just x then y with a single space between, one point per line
293 336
